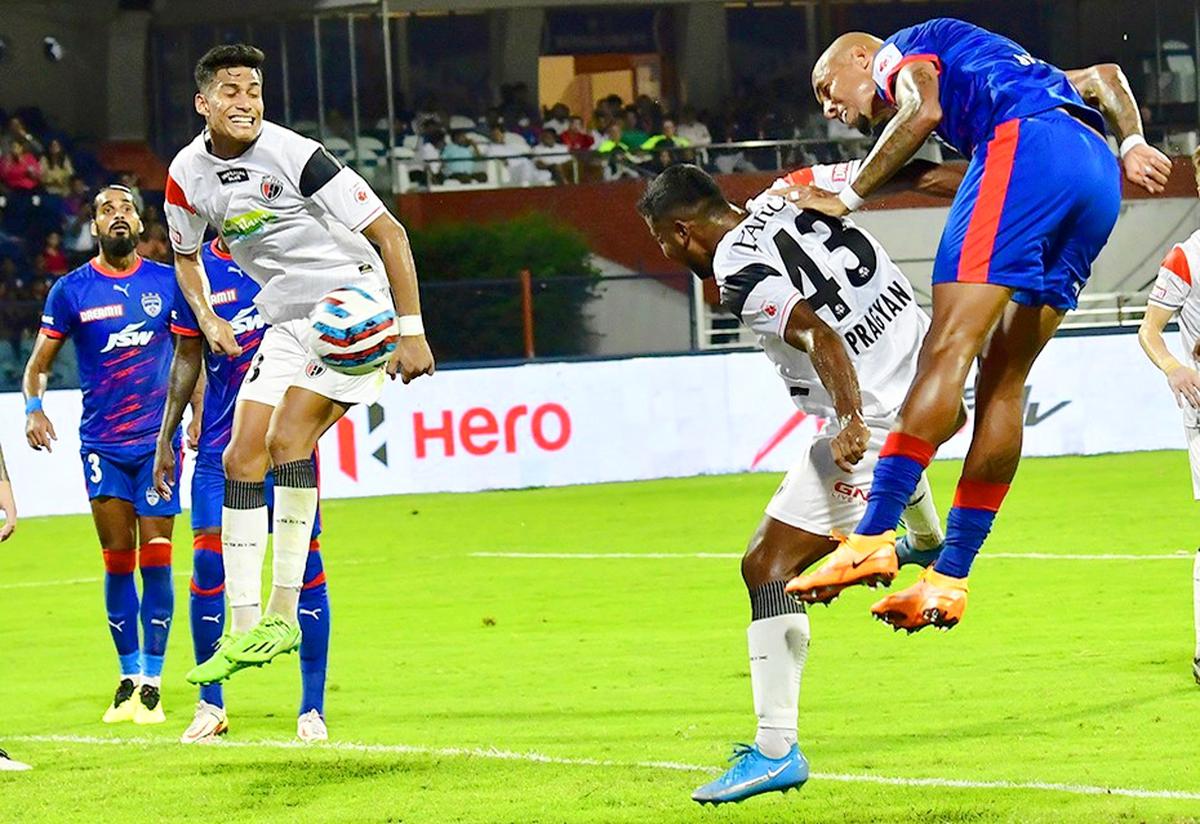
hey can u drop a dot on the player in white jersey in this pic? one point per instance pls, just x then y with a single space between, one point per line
301 225
842 326
1176 294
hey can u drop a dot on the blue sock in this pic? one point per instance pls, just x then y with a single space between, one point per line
207 606
897 473
158 604
121 603
968 525
314 641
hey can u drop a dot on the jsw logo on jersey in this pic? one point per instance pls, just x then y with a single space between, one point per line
132 335
247 320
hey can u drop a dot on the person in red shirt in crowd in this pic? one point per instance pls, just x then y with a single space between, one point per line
54 255
19 169
576 138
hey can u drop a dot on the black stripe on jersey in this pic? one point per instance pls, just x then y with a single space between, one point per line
738 286
318 171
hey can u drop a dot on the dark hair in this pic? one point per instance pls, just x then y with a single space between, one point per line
680 188
111 187
227 56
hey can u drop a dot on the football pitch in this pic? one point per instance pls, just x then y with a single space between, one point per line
578 655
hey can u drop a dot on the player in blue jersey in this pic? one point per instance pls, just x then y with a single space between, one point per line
1040 197
117 309
232 298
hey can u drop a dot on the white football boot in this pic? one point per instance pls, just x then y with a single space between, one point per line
207 725
310 727
9 765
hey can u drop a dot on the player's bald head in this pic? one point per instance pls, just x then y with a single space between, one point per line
849 47
842 82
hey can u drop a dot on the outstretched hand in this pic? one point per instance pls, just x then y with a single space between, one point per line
1147 167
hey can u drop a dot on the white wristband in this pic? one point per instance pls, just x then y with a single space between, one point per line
850 199
1130 142
410 325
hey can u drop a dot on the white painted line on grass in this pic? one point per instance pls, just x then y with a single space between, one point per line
601 556
539 758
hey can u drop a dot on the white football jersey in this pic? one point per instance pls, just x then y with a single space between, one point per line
291 215
832 177
780 255
1174 289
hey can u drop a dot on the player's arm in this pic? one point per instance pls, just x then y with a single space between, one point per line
39 431
1183 380
193 283
917 175
413 357
918 113
807 332
196 404
1105 87
8 504
181 384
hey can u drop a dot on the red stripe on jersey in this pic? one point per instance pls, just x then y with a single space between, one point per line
1177 264
218 251
52 333
184 332
889 82
975 259
800 177
175 196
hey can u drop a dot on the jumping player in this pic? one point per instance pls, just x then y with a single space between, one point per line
1176 294
301 225
1040 197
232 298
117 308
841 324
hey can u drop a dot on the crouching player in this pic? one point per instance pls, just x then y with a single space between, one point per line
117 309
1176 293
232 299
841 324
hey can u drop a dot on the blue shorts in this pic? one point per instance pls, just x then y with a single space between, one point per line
127 472
208 493
1037 205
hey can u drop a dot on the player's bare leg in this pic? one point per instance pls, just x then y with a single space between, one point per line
964 315
940 597
778 638
116 527
296 425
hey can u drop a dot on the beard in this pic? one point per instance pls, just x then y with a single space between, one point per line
116 246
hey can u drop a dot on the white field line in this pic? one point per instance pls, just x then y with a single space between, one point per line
539 758
601 556
178 575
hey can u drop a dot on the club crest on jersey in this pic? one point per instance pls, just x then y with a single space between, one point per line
271 187
770 310
314 369
152 497
152 303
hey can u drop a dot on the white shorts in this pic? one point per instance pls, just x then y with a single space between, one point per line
817 496
1193 442
284 359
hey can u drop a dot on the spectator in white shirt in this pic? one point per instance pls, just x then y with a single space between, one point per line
511 147
558 118
692 130
551 157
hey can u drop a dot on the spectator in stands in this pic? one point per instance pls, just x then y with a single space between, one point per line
632 134
78 240
576 137
665 149
558 118
76 200
431 153
512 147
692 130
552 158
57 170
54 255
616 153
16 131
19 168
153 243
459 159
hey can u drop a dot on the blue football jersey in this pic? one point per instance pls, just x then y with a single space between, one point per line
120 325
984 79
232 296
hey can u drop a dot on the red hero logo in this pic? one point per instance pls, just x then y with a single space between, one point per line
479 431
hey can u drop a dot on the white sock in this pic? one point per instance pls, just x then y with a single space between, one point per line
151 680
1196 598
778 648
295 511
244 547
921 517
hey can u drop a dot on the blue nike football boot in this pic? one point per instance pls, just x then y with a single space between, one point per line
906 553
753 774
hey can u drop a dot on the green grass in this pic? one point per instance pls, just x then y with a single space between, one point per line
1064 671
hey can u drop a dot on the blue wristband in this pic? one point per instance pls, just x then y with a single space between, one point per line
33 405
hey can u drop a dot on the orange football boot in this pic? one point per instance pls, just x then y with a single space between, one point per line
934 600
858 559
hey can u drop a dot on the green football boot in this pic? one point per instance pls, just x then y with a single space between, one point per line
272 636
